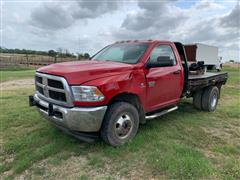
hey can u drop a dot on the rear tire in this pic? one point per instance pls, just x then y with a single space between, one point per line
197 99
120 123
210 98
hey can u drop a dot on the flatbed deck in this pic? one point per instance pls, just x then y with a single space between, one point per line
209 78
206 75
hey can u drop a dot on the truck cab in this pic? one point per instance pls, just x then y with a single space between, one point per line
120 87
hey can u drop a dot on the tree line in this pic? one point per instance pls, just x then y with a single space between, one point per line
62 53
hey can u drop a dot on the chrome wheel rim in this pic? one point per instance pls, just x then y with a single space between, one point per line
213 100
123 126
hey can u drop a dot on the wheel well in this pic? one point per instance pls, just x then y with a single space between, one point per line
131 99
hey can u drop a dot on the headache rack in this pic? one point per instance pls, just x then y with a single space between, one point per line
54 89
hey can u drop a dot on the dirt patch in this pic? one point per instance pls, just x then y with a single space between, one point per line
237 86
16 84
72 168
234 65
228 134
77 167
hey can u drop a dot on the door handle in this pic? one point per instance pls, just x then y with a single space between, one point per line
177 72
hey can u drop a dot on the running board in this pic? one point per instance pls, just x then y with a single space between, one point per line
161 113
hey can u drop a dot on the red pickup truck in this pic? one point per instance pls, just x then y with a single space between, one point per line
120 87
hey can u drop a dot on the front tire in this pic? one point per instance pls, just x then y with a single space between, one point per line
120 124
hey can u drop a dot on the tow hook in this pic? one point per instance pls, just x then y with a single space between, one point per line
50 110
31 101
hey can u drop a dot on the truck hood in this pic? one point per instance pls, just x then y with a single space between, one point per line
79 72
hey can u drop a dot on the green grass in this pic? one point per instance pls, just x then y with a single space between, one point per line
185 144
7 75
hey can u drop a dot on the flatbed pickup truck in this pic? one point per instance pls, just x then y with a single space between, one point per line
120 87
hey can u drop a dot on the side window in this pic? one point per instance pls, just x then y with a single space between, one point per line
164 51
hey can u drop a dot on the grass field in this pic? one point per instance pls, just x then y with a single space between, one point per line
185 144
8 75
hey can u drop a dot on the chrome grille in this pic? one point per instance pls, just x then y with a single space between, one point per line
53 89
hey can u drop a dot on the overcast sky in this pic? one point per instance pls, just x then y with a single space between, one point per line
87 26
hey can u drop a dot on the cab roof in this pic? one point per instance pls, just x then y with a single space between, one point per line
143 41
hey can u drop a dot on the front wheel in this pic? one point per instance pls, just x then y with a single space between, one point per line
120 123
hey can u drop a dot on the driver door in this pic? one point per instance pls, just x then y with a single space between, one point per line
165 84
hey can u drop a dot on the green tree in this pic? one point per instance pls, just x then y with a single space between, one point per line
86 56
52 53
80 56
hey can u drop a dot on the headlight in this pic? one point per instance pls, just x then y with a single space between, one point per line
87 93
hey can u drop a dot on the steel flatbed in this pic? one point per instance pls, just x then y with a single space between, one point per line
196 82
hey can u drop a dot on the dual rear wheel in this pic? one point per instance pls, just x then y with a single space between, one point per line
206 99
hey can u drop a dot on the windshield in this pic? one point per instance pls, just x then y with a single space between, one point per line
125 53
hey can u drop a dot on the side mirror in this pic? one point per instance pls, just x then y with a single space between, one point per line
162 61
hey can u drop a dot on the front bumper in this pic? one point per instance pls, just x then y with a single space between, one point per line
80 119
